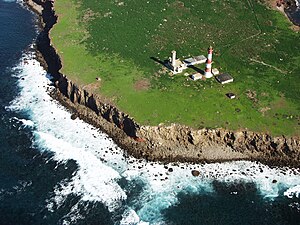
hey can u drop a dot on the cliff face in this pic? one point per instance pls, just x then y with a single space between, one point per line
80 96
165 143
49 58
221 144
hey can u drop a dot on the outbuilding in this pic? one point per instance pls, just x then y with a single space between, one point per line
215 71
196 76
230 95
224 78
195 60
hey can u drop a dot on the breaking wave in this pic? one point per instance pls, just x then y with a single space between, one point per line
136 190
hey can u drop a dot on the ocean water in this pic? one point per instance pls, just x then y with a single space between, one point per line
55 170
294 13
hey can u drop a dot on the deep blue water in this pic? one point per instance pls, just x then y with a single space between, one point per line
54 170
26 180
294 13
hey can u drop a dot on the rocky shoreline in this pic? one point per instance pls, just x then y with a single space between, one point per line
292 11
157 143
289 9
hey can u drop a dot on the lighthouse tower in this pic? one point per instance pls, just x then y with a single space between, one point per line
208 73
173 60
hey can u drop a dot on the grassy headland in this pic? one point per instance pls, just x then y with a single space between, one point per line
116 41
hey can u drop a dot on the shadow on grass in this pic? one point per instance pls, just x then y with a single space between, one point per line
197 69
165 63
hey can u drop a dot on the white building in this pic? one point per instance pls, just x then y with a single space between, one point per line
178 66
224 78
215 71
196 76
195 60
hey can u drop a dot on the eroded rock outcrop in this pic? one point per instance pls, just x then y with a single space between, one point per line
221 144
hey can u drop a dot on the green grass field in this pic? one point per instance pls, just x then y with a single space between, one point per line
115 40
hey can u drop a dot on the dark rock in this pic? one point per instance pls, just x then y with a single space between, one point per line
195 173
74 116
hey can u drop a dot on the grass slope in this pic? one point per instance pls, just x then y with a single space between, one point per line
115 40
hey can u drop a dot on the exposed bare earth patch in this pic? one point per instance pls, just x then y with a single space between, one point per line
295 28
89 15
264 110
142 85
281 103
252 95
92 87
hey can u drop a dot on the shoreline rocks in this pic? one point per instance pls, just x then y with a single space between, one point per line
158 143
289 9
196 173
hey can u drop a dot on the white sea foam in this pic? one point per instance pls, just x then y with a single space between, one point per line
130 217
293 192
24 122
94 180
101 164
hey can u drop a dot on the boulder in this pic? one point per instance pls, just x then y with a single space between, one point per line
195 173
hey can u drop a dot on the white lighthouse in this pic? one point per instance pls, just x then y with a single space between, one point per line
176 65
208 73
173 58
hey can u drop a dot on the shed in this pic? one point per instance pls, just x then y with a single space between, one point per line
200 59
224 78
195 60
196 76
215 71
230 95
190 61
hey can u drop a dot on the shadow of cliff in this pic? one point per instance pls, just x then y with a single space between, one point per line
43 43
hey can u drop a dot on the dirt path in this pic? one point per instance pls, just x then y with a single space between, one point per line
271 66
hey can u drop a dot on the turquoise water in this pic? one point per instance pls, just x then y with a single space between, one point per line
54 170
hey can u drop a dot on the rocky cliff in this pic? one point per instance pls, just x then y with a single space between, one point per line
164 143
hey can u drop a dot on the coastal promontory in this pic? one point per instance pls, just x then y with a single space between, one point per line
111 67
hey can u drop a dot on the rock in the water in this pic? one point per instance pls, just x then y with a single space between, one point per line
195 173
74 116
